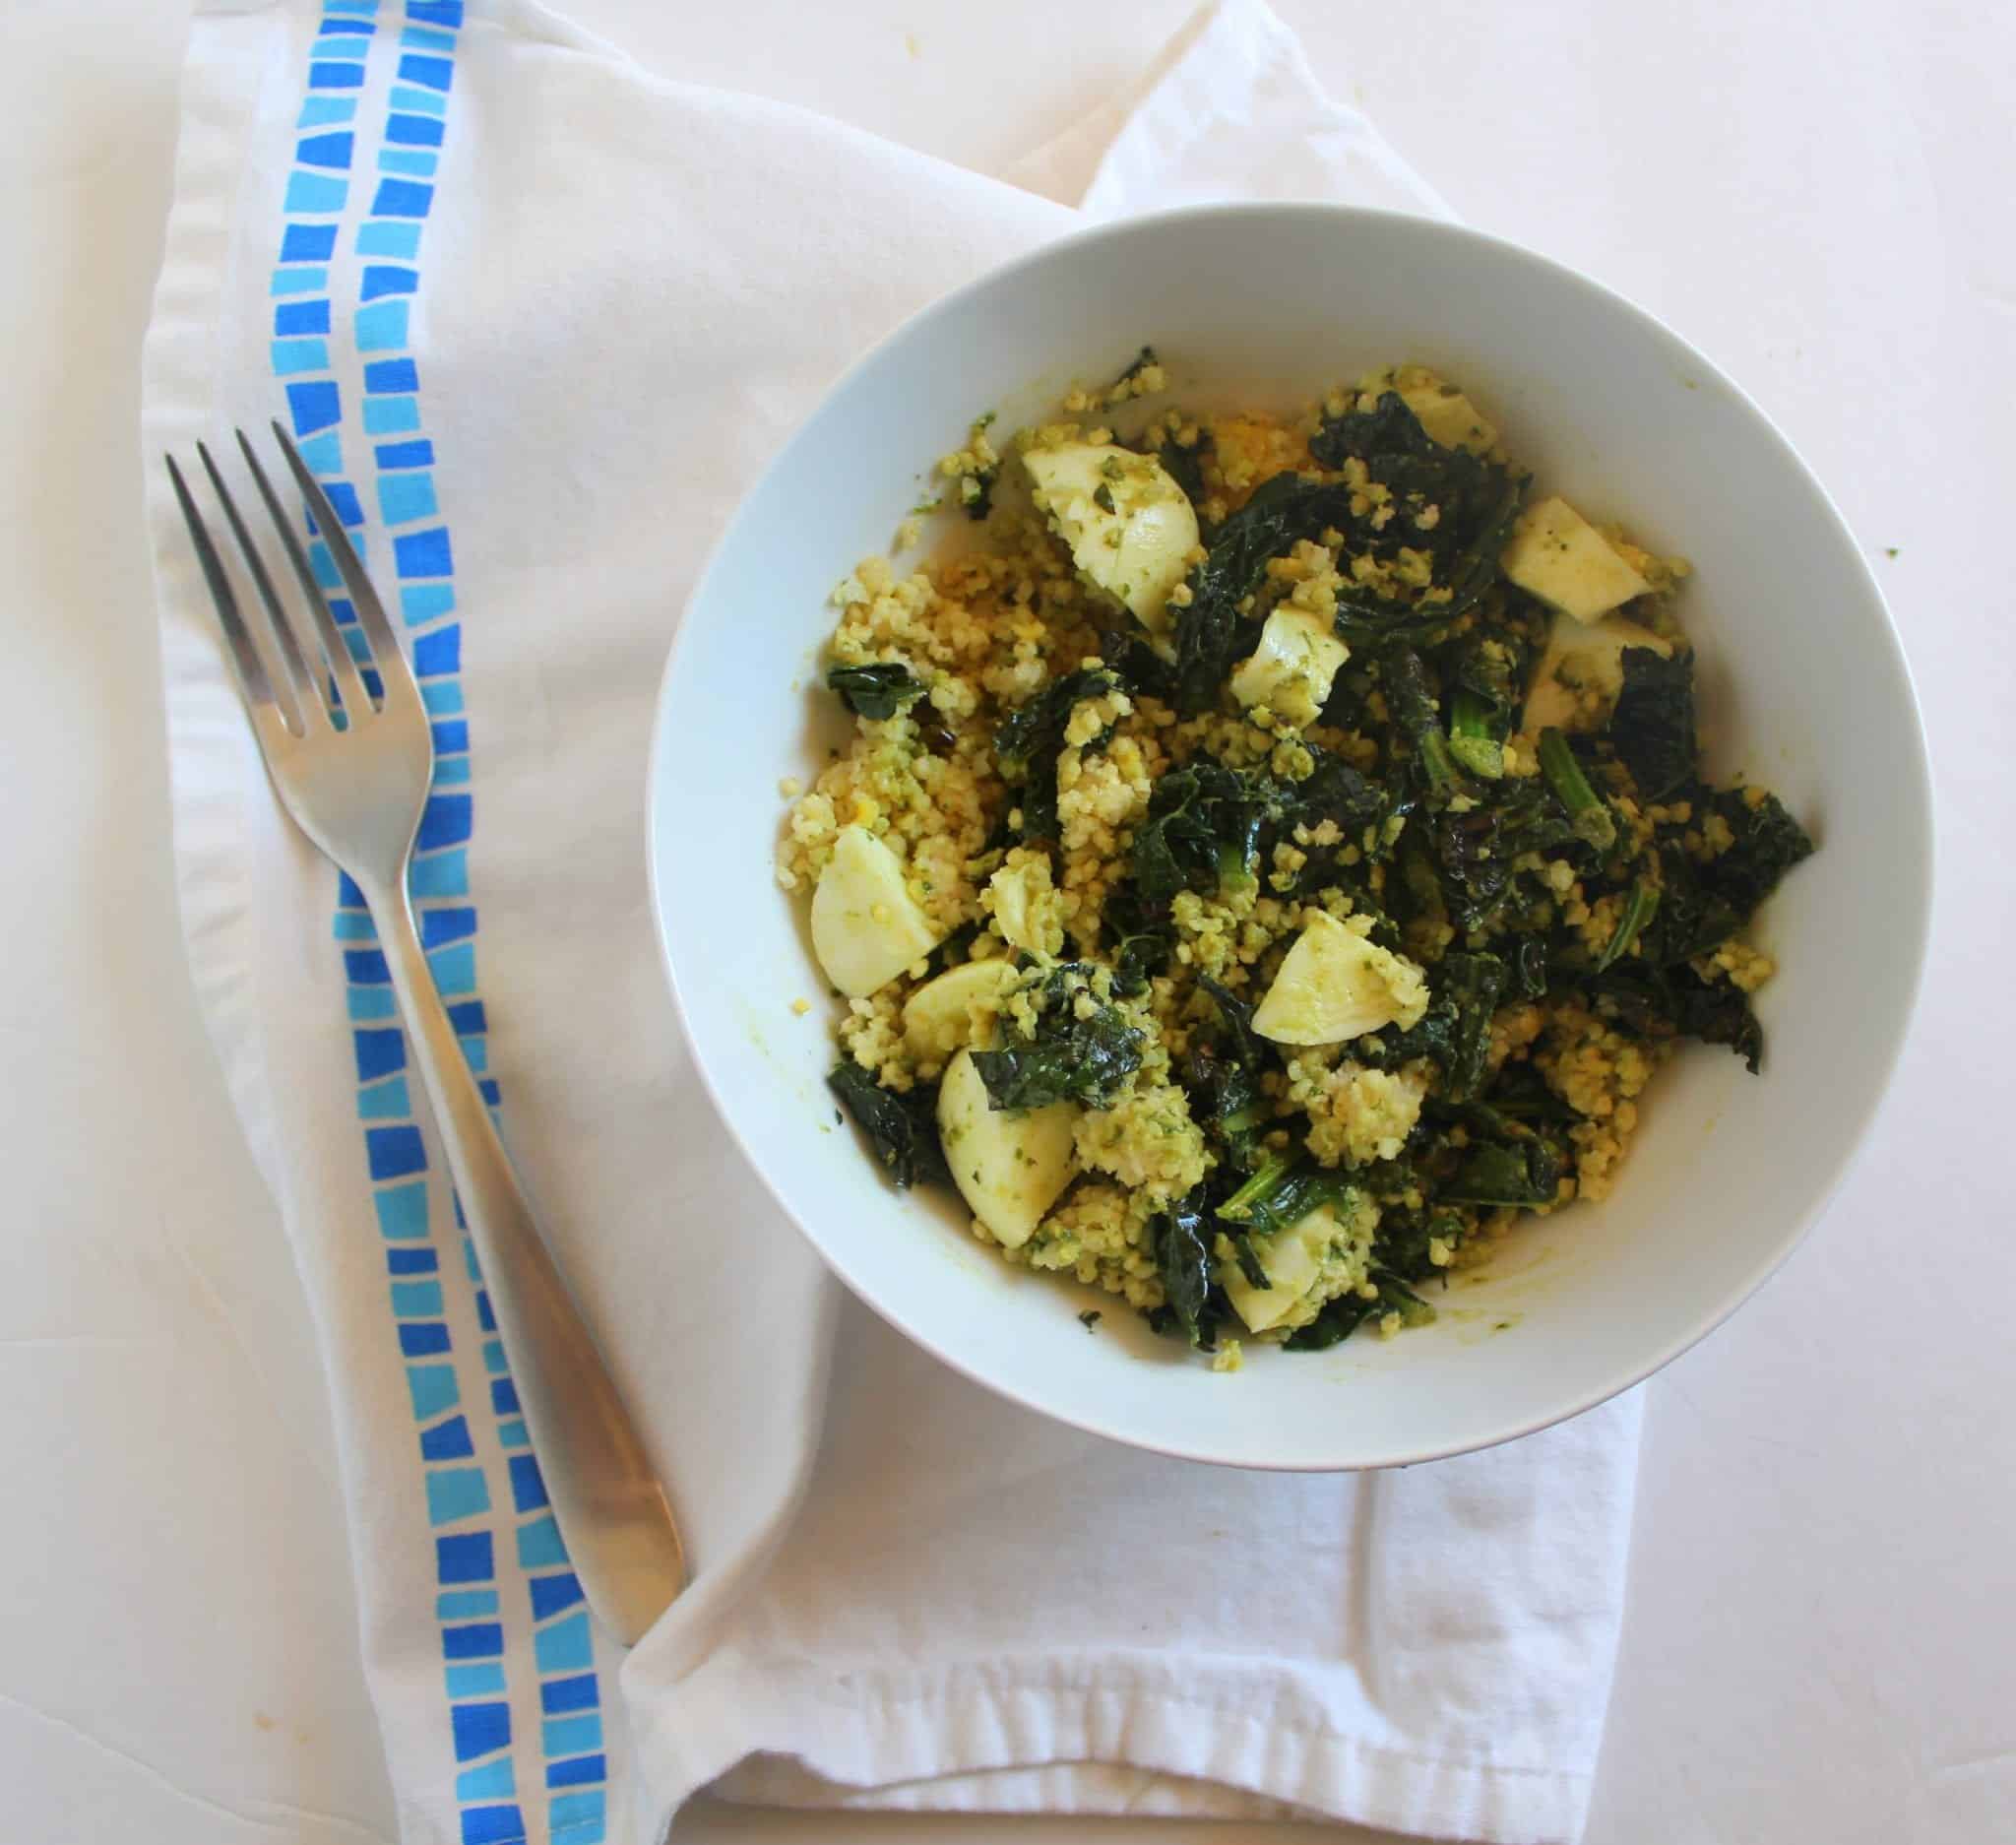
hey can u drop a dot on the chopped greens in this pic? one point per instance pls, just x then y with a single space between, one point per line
1082 1049
1524 1171
1223 1079
1474 503
1652 727
1455 1033
1284 1191
899 1126
1183 1257
1586 812
1184 465
1214 631
877 691
1470 738
1415 717
1476 849
1766 842
1637 912
1202 832
1031 739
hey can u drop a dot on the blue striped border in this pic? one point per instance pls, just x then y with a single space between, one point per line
463 1502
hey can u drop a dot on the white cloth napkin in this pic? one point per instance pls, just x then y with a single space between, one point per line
539 317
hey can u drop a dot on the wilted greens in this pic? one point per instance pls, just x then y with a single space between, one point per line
877 691
1030 742
899 1126
1077 1052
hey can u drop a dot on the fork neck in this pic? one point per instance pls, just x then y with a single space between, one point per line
387 898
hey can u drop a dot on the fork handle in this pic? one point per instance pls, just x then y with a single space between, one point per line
611 1510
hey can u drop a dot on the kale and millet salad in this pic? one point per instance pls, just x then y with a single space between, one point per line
1271 854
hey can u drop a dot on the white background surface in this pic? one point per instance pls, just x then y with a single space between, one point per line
1823 1603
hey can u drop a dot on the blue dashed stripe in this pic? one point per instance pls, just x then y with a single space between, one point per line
482 1589
463 1510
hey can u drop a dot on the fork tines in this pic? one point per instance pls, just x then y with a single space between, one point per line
296 694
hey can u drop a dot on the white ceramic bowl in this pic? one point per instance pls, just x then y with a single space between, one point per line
1803 686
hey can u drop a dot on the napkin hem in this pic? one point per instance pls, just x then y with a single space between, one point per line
872 1733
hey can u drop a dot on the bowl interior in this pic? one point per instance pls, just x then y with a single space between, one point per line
1804 688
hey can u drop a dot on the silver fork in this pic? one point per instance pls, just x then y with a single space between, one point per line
358 792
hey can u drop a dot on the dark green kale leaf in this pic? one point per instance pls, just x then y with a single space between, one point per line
1388 434
1717 1013
1185 466
1595 825
1675 1001
1249 1260
1524 1171
1464 991
1067 1059
1334 791
1413 893
1139 941
1031 737
1475 874
1224 1102
903 1128
1639 909
1143 673
1703 905
953 950
1336 1320
1139 958
1211 631
1183 1238
1416 472
1396 1297
1406 1231
1485 671
1475 850
1693 918
1490 663
1034 732
1359 810
1410 703
1529 968
1768 843
1283 1190
1476 502
1466 574
1521 1094
878 690
1652 724
1202 831
1222 1074
1248 1046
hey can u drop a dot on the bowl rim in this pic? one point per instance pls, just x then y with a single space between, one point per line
1333 218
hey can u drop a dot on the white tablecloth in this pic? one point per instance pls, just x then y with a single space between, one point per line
1817 1640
